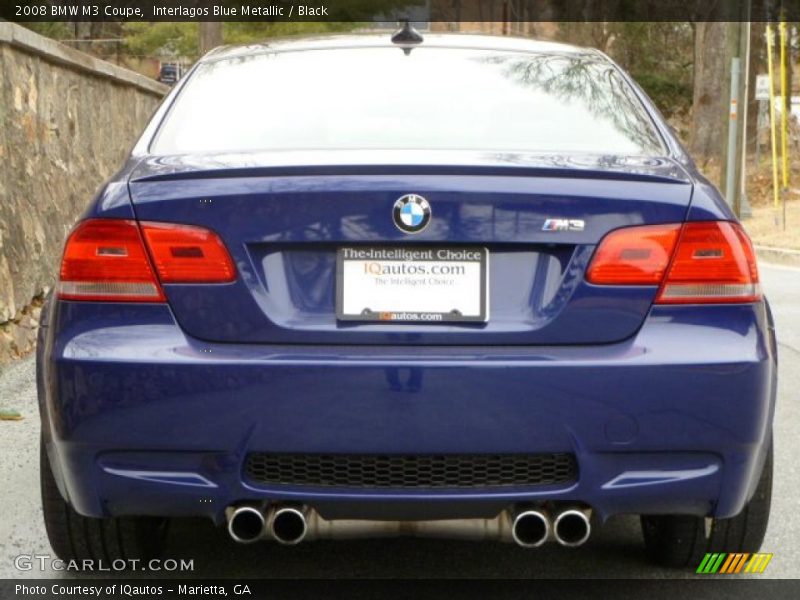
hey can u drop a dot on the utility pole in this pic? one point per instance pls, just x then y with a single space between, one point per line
731 187
739 49
742 207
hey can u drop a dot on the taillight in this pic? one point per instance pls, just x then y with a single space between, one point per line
188 254
105 260
633 256
714 262
700 262
108 260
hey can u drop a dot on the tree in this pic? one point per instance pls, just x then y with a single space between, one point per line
758 65
161 39
210 35
638 48
665 76
711 89
181 39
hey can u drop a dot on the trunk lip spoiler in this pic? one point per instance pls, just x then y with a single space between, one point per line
305 163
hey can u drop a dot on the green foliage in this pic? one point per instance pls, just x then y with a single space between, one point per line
164 39
181 39
51 29
659 55
672 97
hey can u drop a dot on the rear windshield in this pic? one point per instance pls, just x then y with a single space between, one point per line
431 99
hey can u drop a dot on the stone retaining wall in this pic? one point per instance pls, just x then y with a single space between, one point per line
67 121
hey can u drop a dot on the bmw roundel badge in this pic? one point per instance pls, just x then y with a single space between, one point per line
411 213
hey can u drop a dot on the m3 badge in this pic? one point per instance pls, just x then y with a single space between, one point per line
563 225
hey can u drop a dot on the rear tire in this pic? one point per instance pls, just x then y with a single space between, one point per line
75 537
681 541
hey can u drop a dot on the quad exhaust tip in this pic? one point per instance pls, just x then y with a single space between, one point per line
530 529
572 528
288 525
246 524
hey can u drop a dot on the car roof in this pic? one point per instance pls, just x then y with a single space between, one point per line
383 40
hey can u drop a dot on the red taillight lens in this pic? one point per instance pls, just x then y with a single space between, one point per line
186 254
714 262
633 256
105 260
700 262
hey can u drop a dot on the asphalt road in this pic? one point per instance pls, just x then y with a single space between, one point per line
616 550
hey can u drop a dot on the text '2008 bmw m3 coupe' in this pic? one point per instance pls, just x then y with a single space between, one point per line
360 286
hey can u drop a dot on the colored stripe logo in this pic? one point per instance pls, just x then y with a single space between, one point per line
724 563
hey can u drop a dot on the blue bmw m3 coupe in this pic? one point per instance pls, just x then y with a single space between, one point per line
457 286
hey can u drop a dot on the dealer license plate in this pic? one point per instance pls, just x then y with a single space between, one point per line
412 284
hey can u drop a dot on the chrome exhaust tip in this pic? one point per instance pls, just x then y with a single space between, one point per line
288 525
530 528
246 524
572 528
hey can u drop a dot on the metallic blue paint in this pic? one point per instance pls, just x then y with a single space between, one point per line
127 391
283 231
667 408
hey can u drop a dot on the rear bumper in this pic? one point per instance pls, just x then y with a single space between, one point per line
140 419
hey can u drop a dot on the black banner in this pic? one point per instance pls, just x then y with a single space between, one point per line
391 10
711 588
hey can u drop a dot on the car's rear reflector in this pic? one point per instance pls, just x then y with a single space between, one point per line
699 262
105 260
188 254
713 263
633 255
120 291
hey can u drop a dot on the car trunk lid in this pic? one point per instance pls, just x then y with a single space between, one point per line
283 225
